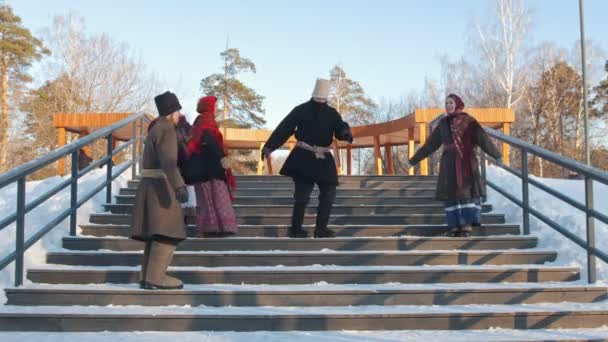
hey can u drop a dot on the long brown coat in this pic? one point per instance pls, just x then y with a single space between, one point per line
156 211
447 189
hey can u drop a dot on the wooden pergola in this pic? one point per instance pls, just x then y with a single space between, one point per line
86 123
409 130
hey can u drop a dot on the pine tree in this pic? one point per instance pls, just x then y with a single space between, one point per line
240 105
599 103
18 49
349 99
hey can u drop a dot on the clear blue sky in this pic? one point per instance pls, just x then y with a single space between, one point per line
388 46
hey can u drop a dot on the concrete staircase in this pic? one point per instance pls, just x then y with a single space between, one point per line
390 268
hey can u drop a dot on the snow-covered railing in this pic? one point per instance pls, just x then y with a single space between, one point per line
589 173
20 174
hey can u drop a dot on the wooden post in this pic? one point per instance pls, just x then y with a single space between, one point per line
505 147
269 165
388 155
260 161
337 158
61 139
114 143
349 158
424 165
411 147
378 155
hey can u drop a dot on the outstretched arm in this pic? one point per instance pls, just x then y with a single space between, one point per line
485 143
429 147
283 131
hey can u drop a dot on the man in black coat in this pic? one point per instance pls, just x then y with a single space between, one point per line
315 124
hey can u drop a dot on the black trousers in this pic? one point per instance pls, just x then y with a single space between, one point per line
327 196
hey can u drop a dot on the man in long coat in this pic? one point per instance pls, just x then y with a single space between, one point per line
314 124
158 219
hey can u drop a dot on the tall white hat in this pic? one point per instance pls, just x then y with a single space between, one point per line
321 90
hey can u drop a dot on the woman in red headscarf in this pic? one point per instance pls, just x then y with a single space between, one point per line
459 185
215 215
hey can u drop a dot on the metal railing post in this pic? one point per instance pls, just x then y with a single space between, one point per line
109 169
74 193
482 162
134 151
20 233
591 271
525 187
140 158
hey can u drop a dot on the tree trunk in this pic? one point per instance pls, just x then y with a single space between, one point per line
4 113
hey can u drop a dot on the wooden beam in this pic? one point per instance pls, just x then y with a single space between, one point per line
424 165
411 148
506 129
269 166
377 155
388 155
349 158
260 161
61 140
337 158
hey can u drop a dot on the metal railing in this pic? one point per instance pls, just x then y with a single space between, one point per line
589 174
20 174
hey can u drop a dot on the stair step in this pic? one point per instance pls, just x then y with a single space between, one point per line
310 210
340 192
310 275
451 317
287 244
427 184
379 258
341 231
340 200
341 179
304 295
260 219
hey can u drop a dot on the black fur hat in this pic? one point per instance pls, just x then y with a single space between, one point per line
167 103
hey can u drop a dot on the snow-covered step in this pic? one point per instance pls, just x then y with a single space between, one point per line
341 179
487 335
343 185
299 244
261 219
428 191
312 274
307 295
340 200
269 209
452 317
306 258
346 230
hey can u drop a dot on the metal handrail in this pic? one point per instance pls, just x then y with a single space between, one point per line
589 173
20 174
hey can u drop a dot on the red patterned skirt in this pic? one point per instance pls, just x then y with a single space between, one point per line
214 208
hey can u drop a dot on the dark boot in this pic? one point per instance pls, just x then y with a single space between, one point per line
301 197
161 254
144 264
324 233
327 195
465 231
454 231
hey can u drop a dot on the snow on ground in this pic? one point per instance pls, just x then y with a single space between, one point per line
37 218
319 336
569 253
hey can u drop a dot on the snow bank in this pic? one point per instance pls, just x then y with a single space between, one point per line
569 253
37 218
